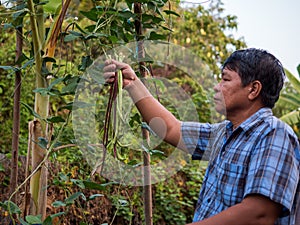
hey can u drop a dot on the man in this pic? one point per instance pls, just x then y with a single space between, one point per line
253 172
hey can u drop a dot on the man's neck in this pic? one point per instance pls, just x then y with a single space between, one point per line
239 117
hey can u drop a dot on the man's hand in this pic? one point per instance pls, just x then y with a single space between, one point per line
112 66
161 121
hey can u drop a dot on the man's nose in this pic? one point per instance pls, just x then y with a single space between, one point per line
217 87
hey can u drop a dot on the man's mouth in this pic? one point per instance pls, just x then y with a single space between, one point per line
217 99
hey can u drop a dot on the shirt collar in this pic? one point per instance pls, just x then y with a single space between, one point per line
252 120
256 118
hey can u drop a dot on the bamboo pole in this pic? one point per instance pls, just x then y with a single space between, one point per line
39 179
38 182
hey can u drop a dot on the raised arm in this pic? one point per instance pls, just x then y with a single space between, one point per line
161 121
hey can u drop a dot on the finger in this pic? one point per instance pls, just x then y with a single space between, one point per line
107 62
110 81
108 75
109 68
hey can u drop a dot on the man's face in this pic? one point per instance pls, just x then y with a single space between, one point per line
231 98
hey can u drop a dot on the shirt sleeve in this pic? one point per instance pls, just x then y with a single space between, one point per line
196 137
274 168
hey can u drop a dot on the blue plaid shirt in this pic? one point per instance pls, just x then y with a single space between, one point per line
261 156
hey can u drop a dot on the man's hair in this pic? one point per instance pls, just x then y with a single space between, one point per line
257 64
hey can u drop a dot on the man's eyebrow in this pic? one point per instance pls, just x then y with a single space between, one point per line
224 73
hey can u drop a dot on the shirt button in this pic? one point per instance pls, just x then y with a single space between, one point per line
208 200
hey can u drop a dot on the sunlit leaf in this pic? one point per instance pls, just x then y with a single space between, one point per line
72 198
52 6
34 219
95 196
58 204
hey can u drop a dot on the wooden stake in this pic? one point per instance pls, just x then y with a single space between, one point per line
146 156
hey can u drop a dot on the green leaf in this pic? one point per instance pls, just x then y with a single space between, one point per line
11 207
86 61
159 83
18 17
95 196
94 186
166 28
70 200
70 88
156 36
170 12
34 219
91 15
94 35
72 36
291 99
136 118
52 6
28 63
43 142
58 204
68 106
1 168
32 112
294 80
55 82
292 117
9 68
23 222
21 59
126 14
64 177
7 26
57 214
47 221
151 6
156 152
113 39
42 91
55 119
79 183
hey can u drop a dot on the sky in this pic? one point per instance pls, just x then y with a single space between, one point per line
273 25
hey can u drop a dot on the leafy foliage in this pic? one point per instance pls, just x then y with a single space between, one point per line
206 31
94 27
289 101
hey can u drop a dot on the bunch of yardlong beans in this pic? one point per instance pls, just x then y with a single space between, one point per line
113 116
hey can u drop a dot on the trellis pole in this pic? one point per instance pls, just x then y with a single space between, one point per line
147 188
16 116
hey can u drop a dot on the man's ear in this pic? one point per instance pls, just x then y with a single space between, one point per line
254 89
